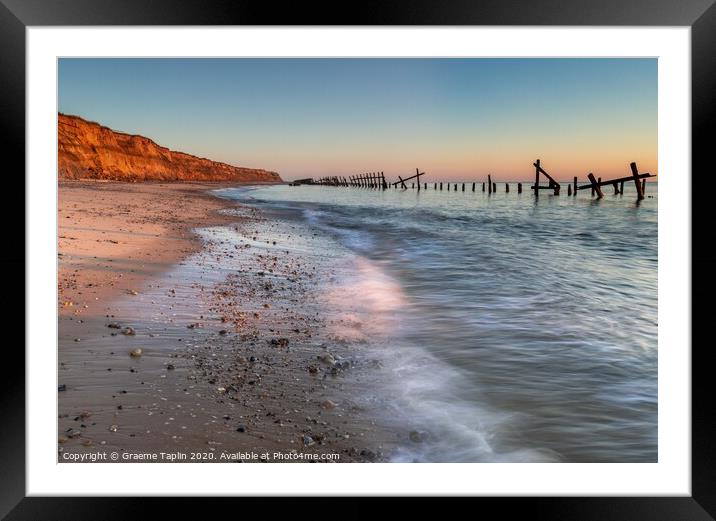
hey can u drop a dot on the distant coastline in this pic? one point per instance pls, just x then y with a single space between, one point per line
88 150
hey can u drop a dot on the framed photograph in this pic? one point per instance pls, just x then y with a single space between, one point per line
443 250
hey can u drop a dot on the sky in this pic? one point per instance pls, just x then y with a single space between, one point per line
455 119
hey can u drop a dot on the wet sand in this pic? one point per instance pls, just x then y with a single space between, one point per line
236 359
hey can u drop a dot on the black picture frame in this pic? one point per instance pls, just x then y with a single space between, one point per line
700 15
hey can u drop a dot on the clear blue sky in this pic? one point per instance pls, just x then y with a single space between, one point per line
453 118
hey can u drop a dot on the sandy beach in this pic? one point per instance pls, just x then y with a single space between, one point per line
112 236
175 345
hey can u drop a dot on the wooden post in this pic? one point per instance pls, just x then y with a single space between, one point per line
441 185
494 187
575 186
595 186
473 187
616 188
643 187
593 189
448 186
537 179
489 183
483 186
519 188
507 188
569 189
402 183
435 186
639 190
412 185
417 173
621 188
425 186
463 187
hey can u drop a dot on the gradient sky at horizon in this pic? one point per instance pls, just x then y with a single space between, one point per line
456 119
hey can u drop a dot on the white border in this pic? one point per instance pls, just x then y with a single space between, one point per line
670 476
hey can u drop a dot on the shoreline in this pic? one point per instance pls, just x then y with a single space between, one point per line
152 259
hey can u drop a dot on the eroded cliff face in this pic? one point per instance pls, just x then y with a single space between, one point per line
87 150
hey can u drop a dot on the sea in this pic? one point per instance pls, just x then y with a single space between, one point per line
508 328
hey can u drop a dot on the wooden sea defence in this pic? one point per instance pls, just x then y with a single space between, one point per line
542 181
595 185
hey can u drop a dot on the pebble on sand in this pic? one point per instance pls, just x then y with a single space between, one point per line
418 436
136 353
280 342
327 359
328 404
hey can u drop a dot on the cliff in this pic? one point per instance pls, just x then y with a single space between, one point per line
87 150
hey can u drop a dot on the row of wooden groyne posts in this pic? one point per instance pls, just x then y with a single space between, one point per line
377 181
